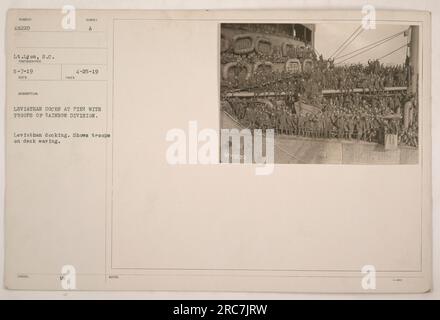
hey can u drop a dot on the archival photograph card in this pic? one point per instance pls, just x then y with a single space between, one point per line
246 151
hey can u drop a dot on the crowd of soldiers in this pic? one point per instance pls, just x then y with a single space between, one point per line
349 116
345 78
373 77
276 56
344 114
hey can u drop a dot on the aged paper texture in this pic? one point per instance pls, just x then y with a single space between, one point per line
285 151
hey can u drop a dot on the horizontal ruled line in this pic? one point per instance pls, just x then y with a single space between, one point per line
98 48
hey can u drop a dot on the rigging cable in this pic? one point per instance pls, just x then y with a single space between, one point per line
405 45
345 47
337 50
361 52
371 44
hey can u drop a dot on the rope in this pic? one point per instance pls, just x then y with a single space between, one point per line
372 44
345 47
276 145
406 45
360 53
355 31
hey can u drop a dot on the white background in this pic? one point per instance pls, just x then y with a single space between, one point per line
428 5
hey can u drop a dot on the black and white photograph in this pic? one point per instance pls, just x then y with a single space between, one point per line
220 157
333 93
